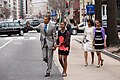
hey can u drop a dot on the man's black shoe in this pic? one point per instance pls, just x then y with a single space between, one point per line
45 60
47 75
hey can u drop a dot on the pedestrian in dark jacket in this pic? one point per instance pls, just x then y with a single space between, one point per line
63 44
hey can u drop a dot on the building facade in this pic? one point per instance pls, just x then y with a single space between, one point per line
104 10
76 11
39 6
83 4
13 9
4 9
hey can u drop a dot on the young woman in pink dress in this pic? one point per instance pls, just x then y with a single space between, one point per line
63 44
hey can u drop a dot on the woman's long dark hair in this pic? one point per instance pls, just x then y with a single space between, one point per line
91 22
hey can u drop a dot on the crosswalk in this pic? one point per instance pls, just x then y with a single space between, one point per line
18 38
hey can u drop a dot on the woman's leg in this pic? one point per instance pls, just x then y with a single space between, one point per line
86 56
65 65
99 58
61 61
92 55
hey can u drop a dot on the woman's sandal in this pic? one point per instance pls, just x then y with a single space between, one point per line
64 75
86 64
98 66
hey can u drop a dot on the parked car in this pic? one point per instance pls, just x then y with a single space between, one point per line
33 23
74 27
9 28
81 27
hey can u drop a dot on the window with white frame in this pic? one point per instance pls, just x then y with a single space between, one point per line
104 10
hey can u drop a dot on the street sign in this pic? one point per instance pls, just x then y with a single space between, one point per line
54 13
90 9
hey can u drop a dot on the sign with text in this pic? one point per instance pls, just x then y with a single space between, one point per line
90 9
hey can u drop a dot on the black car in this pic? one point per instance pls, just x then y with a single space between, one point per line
9 28
33 23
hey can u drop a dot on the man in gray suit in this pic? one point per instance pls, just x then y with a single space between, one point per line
48 41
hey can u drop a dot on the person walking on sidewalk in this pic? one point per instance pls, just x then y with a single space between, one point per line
68 26
63 44
99 41
48 42
88 42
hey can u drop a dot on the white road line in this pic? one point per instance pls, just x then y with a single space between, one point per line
32 38
20 38
5 44
8 38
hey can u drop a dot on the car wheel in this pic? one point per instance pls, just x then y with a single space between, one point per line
74 32
21 33
38 31
9 34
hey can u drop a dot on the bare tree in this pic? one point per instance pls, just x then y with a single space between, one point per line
59 5
6 12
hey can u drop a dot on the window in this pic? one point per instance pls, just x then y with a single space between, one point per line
2 25
11 24
17 24
9 5
6 25
103 10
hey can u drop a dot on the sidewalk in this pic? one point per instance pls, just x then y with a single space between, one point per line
77 70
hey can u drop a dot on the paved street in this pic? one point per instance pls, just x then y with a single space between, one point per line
21 59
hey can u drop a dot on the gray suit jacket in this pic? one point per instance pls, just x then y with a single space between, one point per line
50 35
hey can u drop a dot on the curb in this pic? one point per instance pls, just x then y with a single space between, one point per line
111 55
104 52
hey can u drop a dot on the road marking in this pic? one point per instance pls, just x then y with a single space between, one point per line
7 38
5 44
32 38
20 38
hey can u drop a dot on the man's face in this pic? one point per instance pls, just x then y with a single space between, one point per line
46 20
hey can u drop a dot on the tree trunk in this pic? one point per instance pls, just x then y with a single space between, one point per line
112 33
98 5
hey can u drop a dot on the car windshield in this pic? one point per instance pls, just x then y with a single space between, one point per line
11 24
41 20
36 21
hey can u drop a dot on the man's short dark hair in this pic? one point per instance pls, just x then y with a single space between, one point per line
47 17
